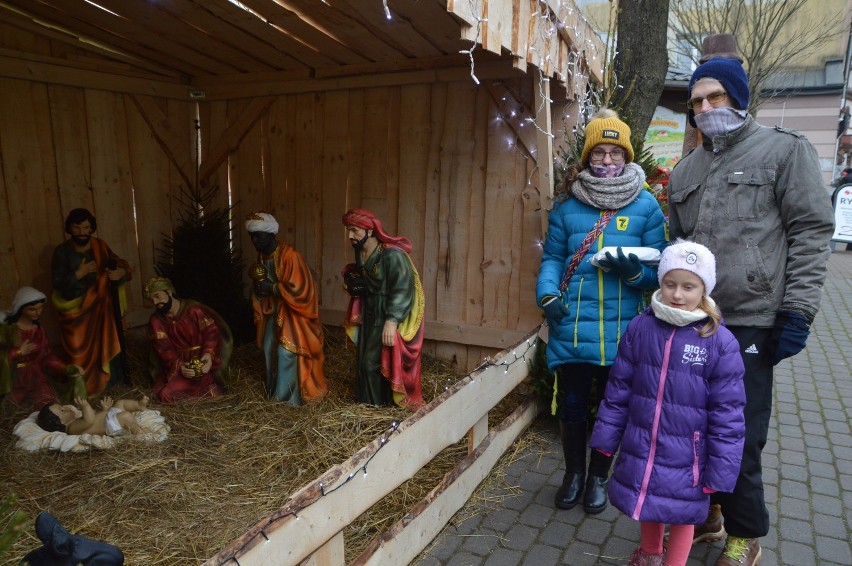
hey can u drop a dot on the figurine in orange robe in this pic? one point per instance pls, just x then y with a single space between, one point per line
88 281
286 315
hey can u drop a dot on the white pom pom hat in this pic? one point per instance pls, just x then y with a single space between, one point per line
689 256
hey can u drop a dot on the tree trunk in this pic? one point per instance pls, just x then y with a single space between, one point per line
641 61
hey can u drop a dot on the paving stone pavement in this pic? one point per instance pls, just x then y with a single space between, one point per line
807 467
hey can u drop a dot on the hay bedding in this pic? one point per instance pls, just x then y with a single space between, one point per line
228 462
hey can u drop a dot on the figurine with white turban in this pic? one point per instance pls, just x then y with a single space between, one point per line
286 314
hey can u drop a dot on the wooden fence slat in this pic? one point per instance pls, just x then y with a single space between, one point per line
330 554
407 538
477 434
324 507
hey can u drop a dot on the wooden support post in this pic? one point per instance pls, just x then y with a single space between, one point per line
544 157
329 554
477 433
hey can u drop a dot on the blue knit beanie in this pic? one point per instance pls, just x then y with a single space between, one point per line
730 73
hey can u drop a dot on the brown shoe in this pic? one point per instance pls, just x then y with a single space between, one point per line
711 530
739 551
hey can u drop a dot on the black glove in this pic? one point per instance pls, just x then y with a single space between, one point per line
555 310
265 288
627 267
788 335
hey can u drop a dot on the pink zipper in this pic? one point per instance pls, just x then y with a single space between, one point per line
649 466
696 437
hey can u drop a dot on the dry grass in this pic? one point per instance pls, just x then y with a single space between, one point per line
228 463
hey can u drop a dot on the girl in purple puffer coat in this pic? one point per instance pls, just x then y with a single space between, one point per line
674 403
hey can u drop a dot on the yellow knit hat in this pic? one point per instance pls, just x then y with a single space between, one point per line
608 128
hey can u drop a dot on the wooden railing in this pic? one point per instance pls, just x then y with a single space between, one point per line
308 529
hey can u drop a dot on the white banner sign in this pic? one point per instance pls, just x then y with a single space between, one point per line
843 214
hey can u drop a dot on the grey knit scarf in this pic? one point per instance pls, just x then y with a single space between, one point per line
609 193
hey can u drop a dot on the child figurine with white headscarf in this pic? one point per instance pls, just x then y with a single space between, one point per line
26 359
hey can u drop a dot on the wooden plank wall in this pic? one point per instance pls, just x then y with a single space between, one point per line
443 163
64 148
436 163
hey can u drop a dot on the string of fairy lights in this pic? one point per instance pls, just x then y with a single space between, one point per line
469 52
523 352
550 24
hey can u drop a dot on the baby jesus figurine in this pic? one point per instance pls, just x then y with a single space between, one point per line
113 419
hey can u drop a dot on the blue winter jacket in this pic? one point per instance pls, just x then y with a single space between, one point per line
600 304
674 403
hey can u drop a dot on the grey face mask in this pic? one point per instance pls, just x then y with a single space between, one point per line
720 121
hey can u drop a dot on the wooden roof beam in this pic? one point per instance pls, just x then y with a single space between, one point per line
61 74
513 26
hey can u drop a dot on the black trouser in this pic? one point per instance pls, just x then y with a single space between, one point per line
745 509
575 387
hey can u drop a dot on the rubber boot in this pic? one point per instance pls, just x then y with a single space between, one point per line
595 499
574 451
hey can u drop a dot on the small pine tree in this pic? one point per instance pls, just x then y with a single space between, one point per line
203 264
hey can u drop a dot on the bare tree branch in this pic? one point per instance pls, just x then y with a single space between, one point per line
772 35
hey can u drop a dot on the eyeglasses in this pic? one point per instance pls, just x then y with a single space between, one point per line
617 155
713 99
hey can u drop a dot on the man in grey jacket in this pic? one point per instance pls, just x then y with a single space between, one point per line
754 195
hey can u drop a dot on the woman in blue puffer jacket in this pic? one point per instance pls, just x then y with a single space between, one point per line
674 404
589 311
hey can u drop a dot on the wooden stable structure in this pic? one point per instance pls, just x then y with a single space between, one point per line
439 115
302 108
